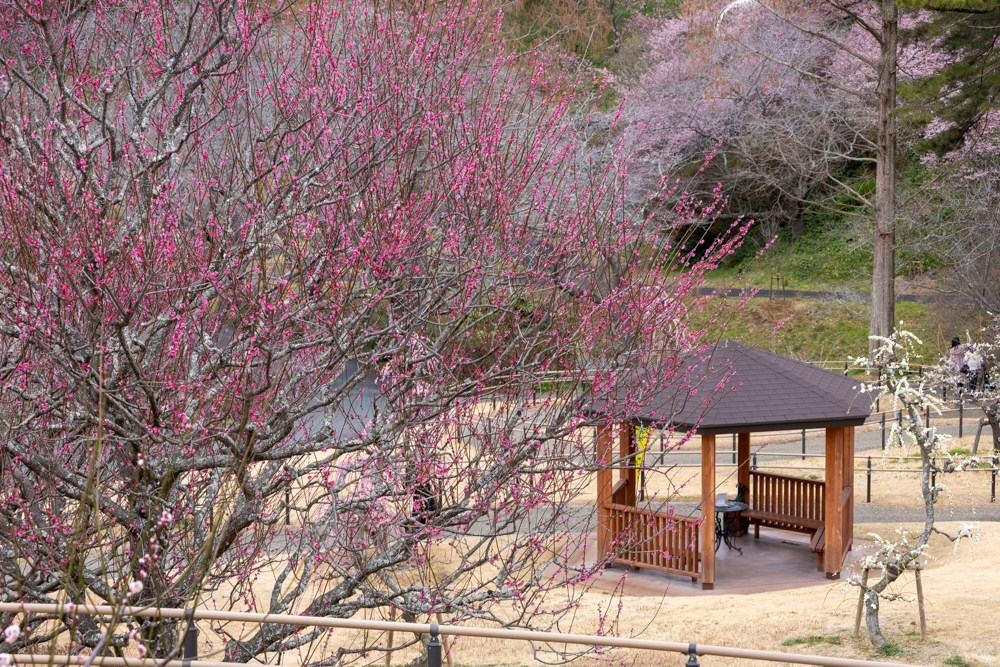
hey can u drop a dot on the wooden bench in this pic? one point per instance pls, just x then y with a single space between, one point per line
789 503
784 521
818 546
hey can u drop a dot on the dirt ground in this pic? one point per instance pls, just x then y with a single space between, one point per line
962 589
961 586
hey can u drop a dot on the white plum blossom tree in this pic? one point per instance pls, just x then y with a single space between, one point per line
913 395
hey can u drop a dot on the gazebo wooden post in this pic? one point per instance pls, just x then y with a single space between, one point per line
605 482
833 552
848 481
743 472
708 512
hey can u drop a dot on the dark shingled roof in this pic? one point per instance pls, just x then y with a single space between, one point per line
767 392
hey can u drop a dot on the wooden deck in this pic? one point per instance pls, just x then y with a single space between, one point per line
778 561
671 543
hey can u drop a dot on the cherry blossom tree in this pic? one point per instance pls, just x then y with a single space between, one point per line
691 99
279 284
782 136
869 45
878 22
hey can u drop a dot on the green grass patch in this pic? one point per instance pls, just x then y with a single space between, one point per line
814 330
957 661
984 461
561 387
810 641
824 258
835 250
890 648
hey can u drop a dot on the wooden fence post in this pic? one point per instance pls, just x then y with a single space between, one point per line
979 432
444 641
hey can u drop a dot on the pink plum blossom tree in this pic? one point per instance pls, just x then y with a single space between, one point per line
278 286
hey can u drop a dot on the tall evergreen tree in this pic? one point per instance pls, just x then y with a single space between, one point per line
960 94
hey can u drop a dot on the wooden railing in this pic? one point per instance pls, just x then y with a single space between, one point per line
794 497
656 540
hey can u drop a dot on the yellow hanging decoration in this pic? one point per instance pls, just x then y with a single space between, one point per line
641 444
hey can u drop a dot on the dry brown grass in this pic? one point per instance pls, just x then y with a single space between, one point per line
962 589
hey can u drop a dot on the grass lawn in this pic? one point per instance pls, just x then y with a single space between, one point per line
814 330
828 259
822 261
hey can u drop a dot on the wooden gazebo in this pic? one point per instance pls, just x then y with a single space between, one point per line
760 392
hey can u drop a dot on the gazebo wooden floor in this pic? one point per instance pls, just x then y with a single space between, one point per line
779 560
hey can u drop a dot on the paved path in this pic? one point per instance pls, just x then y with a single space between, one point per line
764 293
872 514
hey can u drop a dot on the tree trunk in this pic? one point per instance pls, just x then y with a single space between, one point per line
992 418
793 211
614 24
883 314
871 619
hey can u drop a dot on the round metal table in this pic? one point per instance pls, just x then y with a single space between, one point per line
721 532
